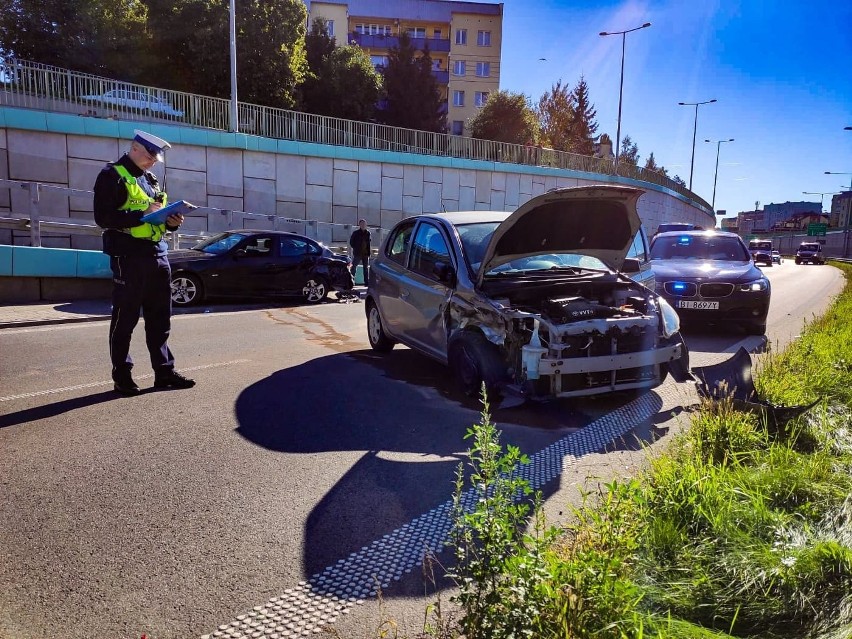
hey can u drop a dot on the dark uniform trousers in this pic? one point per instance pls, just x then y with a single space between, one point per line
141 283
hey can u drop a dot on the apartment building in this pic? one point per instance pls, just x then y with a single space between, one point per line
464 41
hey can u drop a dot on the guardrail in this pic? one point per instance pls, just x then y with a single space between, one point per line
36 222
39 86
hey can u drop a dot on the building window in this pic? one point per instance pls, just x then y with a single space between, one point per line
483 69
483 38
458 67
330 25
481 98
373 29
461 36
436 64
436 34
458 98
417 32
458 127
379 61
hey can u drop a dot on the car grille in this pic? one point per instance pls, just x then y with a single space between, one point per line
716 289
688 291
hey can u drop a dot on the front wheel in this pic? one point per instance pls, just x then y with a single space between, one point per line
474 361
379 340
186 289
315 290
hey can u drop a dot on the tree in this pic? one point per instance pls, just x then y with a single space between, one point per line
629 151
506 117
411 91
651 164
341 81
555 112
91 36
582 127
191 39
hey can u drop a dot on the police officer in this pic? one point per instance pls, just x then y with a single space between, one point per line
125 191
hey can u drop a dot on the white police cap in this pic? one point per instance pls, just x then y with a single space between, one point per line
154 145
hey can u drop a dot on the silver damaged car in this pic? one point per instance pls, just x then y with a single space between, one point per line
536 303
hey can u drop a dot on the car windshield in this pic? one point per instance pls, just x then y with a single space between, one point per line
475 237
760 246
699 247
219 244
809 247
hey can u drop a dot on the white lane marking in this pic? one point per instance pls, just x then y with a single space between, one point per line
66 389
101 320
303 610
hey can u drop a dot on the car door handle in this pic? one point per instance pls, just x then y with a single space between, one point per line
404 293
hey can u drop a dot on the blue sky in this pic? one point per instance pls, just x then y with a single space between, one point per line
781 71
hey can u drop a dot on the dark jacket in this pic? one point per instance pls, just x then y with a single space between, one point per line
360 243
110 194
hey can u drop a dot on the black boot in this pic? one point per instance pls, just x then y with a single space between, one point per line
172 379
124 383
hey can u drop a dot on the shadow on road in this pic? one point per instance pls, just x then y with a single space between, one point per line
57 408
399 410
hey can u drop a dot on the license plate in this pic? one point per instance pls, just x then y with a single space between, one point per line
699 305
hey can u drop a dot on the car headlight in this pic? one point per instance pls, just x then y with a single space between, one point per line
671 321
756 286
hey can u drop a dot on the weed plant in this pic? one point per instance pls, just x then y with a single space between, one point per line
735 530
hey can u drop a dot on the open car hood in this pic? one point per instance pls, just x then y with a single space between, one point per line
599 221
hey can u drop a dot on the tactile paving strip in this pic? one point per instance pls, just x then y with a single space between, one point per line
302 611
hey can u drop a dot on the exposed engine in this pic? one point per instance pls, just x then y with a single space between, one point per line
605 337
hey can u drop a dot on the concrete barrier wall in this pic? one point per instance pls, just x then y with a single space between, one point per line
281 182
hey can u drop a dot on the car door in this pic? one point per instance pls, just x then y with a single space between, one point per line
639 251
423 297
389 275
250 268
295 263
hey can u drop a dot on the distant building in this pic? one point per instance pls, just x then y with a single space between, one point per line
800 221
729 224
775 215
841 210
749 222
464 41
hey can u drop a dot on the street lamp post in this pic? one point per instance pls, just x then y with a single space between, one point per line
716 174
232 41
623 35
821 196
694 131
848 215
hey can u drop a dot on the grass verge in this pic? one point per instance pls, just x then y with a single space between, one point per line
735 530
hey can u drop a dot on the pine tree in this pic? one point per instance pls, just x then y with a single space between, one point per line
583 125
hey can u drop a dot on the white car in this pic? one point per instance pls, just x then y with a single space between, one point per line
135 100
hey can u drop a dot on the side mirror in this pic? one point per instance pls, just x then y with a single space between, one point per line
240 252
631 265
444 272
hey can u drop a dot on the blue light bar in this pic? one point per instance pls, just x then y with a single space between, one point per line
684 239
678 286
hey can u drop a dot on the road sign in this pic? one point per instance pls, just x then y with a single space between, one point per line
817 229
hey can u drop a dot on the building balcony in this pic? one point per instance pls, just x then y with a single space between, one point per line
388 42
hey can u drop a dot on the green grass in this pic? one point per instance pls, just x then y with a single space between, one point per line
735 530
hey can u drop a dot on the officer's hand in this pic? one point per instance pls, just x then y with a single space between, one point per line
154 206
174 221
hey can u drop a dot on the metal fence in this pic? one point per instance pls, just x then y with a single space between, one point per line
36 223
39 86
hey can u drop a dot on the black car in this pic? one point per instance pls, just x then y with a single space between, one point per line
251 263
709 278
761 251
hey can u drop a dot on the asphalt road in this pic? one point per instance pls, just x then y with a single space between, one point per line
301 471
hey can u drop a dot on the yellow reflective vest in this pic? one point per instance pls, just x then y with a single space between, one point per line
139 200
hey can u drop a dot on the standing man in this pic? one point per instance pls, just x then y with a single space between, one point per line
125 191
360 243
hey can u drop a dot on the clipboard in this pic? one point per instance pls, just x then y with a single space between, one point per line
159 217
